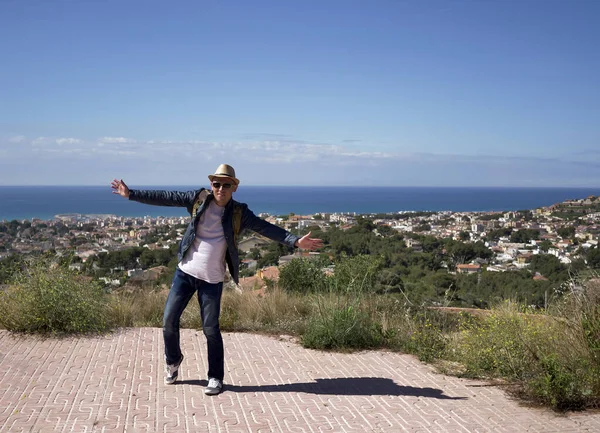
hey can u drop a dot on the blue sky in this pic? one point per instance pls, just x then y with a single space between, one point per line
382 92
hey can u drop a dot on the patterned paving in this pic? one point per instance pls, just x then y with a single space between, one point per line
115 384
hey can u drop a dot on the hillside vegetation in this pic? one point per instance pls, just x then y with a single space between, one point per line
549 356
537 328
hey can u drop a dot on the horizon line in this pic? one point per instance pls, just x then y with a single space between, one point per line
312 186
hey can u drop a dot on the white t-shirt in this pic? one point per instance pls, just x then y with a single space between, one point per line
205 259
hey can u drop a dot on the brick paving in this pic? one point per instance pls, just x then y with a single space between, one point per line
115 383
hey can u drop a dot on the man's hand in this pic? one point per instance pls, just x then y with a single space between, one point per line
120 188
308 243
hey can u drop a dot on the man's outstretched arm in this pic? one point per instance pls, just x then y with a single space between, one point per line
155 197
276 233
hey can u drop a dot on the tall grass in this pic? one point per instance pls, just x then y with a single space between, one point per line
276 311
137 308
569 359
341 322
273 312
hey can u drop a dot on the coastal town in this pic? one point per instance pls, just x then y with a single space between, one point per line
563 230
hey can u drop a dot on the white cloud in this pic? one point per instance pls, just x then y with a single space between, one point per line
289 160
41 140
116 140
63 141
270 150
288 151
77 151
17 139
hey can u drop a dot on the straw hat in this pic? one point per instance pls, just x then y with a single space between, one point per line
224 171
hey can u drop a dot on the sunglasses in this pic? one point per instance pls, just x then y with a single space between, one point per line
217 185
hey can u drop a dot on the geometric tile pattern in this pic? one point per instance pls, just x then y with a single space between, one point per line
114 383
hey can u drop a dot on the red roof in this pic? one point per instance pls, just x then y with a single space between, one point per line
469 266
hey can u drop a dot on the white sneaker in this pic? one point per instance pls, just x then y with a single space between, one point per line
214 387
172 371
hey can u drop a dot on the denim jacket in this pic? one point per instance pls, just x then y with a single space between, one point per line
187 199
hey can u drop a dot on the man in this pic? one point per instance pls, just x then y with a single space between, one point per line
209 242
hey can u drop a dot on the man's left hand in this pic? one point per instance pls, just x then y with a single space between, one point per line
308 243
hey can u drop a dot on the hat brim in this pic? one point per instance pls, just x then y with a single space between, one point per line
223 176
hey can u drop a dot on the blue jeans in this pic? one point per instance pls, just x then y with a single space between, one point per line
209 297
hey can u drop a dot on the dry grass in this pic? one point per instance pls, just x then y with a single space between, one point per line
138 308
275 311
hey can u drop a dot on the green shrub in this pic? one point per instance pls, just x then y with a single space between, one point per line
8 267
568 367
429 335
552 357
341 324
428 344
357 274
497 344
51 299
561 385
303 276
581 309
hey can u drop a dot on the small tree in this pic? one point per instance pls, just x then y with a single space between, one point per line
545 245
303 276
593 258
358 273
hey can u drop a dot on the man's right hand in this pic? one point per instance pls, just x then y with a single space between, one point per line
120 188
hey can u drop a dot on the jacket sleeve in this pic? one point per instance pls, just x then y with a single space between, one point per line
164 198
271 231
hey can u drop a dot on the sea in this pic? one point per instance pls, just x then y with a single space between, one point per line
45 202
